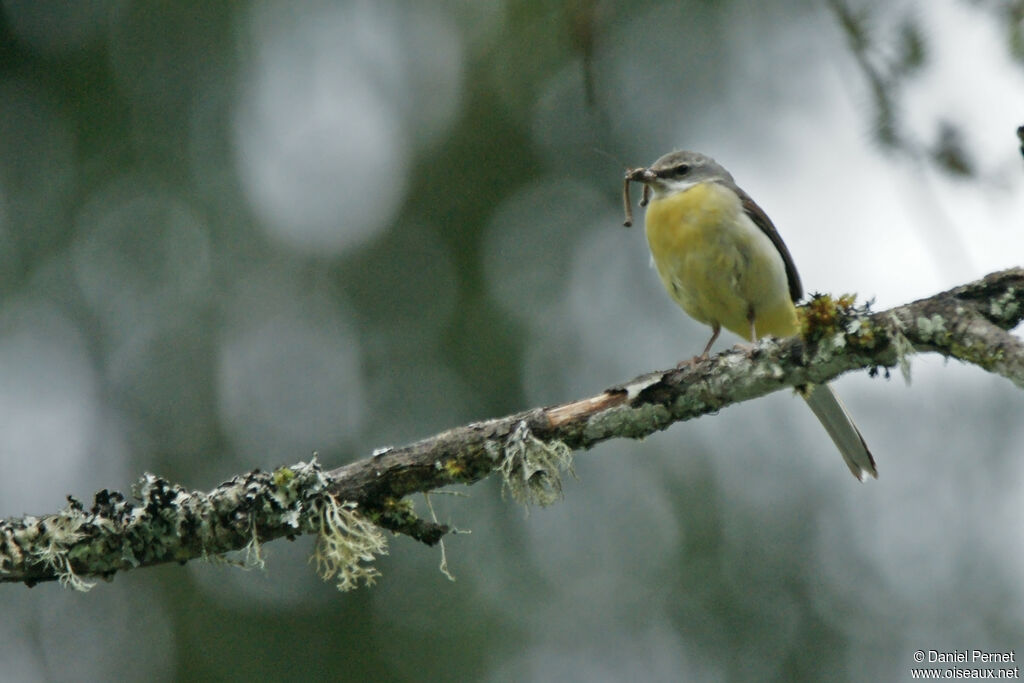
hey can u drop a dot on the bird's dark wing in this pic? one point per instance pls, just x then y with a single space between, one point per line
761 220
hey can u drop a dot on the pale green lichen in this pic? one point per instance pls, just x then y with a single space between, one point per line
531 469
861 332
292 484
57 534
774 370
932 329
1006 305
171 523
962 345
252 553
60 564
443 567
284 475
977 352
493 451
346 545
903 348
629 421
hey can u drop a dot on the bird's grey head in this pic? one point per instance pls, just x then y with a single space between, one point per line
678 171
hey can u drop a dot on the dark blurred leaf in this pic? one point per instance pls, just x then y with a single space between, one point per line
854 25
913 50
1015 22
950 152
580 15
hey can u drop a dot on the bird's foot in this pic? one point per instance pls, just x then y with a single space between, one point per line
691 361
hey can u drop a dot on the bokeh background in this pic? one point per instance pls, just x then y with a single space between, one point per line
236 233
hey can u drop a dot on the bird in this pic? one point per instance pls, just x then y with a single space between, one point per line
721 259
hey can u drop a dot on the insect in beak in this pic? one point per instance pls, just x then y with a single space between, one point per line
634 175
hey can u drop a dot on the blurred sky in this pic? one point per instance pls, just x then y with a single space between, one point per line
235 234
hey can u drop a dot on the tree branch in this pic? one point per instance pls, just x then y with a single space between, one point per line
345 507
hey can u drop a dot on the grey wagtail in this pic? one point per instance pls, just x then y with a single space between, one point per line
721 259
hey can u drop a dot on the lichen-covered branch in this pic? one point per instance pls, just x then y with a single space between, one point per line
346 506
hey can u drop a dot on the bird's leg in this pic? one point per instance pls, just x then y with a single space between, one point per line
715 330
753 331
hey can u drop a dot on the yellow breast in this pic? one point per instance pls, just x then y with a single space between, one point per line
717 264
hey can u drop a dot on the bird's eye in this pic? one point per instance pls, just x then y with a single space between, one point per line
681 170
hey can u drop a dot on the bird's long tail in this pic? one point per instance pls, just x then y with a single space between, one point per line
837 422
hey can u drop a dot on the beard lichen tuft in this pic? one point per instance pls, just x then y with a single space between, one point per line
346 545
531 469
59 533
